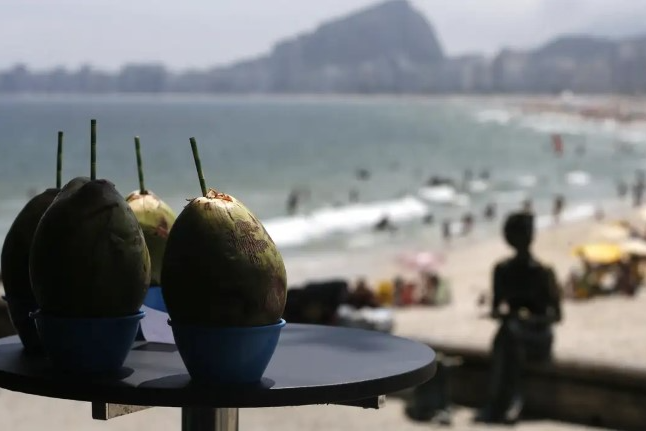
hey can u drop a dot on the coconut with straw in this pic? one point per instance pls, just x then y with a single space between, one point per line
89 257
221 267
155 218
17 243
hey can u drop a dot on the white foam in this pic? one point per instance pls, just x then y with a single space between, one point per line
575 213
438 194
577 178
527 181
321 223
478 186
497 116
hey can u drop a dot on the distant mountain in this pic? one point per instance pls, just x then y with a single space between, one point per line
387 48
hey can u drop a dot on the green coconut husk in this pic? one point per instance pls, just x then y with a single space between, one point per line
17 243
17 246
89 257
221 267
156 219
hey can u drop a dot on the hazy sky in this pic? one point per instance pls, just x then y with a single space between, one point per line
200 33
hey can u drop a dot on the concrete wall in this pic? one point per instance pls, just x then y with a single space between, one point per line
578 392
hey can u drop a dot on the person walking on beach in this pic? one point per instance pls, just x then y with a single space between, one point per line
490 211
527 302
292 202
446 231
557 209
638 188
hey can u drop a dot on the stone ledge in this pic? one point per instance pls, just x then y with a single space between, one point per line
574 391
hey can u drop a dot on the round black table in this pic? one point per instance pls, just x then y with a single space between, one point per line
312 365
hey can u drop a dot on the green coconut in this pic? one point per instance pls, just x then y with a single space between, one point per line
88 256
155 218
17 243
221 267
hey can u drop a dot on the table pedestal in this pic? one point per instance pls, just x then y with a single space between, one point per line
208 419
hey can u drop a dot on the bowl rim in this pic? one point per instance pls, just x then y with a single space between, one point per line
41 314
278 325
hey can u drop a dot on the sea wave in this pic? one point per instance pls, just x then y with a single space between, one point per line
578 178
324 222
497 116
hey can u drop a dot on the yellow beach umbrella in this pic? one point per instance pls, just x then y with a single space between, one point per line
600 253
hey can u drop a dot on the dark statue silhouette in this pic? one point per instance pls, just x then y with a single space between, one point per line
526 300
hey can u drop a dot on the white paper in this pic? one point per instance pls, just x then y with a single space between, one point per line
155 326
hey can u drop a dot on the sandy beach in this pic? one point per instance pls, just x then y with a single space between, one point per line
606 330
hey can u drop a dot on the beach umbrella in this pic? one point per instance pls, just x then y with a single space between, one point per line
421 260
599 253
635 246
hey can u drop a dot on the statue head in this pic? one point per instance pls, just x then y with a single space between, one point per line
519 230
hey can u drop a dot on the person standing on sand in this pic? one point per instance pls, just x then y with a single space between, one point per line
446 231
527 301
638 188
557 210
490 211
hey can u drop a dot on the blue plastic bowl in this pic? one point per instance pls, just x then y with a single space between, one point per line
88 345
19 311
154 299
215 356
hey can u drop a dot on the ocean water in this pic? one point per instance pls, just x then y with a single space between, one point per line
260 148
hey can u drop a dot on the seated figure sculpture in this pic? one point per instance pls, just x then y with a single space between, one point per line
526 300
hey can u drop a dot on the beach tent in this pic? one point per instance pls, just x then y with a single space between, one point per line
599 253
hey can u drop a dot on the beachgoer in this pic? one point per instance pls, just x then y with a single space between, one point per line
428 218
362 296
431 284
490 211
398 284
292 202
485 175
526 299
467 223
363 174
446 230
384 224
557 209
622 189
638 188
557 144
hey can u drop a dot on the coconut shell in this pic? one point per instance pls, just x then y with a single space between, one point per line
89 257
156 219
17 246
221 267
